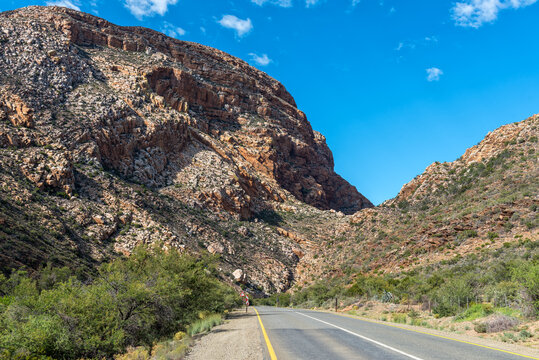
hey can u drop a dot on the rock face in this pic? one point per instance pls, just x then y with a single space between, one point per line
134 99
113 136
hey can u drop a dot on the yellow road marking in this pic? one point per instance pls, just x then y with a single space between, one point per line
268 343
440 336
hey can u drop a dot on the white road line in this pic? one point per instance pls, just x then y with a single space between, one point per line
364 337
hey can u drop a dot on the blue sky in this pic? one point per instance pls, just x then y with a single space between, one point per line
394 85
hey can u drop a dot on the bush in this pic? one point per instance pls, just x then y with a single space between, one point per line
138 353
413 314
480 328
452 296
317 294
171 349
398 318
496 323
132 302
475 311
205 324
527 274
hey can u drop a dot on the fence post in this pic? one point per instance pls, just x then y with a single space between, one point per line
335 304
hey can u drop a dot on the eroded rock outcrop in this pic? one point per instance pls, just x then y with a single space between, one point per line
116 136
189 84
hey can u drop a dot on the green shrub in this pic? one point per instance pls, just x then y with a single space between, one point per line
527 274
468 234
205 324
475 311
171 349
451 296
133 301
138 353
480 328
398 318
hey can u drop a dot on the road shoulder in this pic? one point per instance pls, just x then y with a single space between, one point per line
238 338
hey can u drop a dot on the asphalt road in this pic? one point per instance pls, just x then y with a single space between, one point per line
312 335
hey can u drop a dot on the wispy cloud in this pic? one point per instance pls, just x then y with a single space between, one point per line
94 6
413 44
355 2
241 27
474 13
405 45
172 30
65 3
282 3
309 3
433 74
141 8
261 60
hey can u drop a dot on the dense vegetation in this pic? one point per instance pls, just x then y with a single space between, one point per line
506 277
133 301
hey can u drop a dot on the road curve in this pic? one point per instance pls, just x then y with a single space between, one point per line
312 335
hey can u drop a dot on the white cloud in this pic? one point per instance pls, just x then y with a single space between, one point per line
282 3
65 3
172 30
433 74
474 13
309 3
405 45
241 27
141 8
413 44
260 60
355 2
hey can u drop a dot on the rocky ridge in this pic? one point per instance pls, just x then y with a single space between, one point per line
118 136
485 200
112 136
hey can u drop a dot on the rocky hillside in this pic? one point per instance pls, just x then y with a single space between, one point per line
485 200
112 136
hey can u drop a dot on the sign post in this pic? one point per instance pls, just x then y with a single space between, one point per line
245 300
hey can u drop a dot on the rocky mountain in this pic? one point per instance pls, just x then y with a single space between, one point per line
112 136
115 136
483 201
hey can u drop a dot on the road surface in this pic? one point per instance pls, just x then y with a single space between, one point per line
312 335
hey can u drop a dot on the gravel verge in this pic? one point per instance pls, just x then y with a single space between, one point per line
238 338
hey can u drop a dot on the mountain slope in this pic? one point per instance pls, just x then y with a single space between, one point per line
484 199
118 136
112 136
